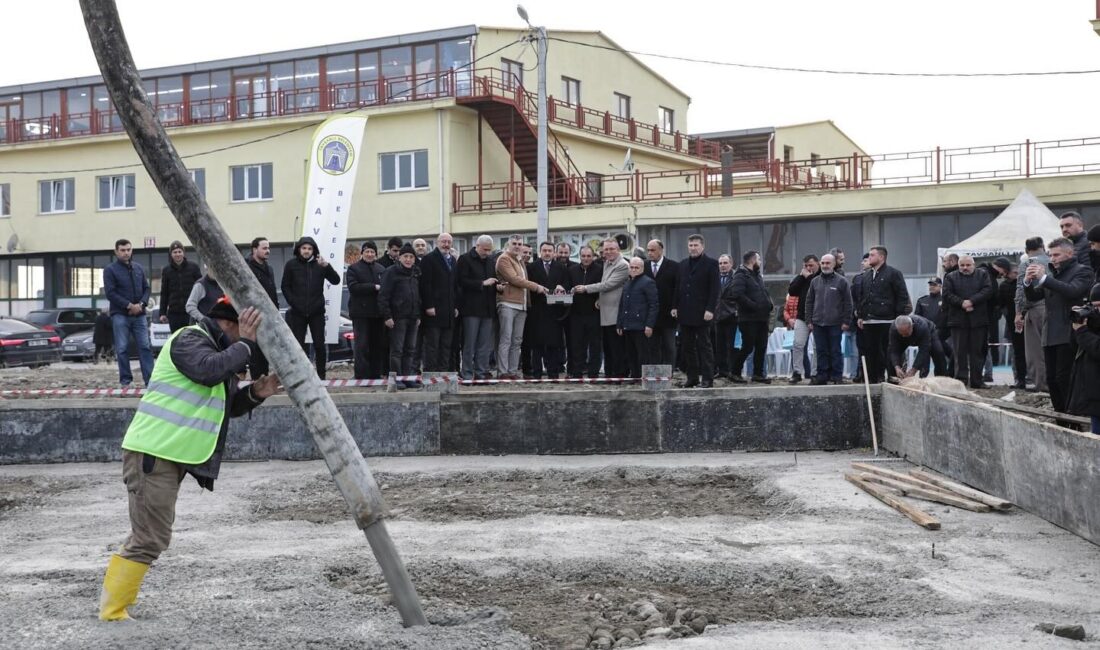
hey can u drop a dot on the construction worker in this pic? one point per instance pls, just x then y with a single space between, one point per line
179 429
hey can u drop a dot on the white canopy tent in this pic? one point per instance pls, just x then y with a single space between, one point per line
1025 217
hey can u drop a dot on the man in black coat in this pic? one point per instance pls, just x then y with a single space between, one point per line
257 261
1006 301
437 299
544 334
638 317
1084 398
725 317
1073 229
754 307
966 294
176 281
695 304
883 297
303 287
364 282
393 250
585 334
477 297
399 302
929 306
916 331
1064 284
666 273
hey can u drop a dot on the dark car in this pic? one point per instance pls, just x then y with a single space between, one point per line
25 344
64 320
78 347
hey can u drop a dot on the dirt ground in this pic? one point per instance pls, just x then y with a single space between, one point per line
754 550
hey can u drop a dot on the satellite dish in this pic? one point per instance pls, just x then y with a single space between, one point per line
13 243
628 161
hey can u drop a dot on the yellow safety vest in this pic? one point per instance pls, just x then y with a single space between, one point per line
177 419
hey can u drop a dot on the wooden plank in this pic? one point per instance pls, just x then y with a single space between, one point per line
996 503
939 496
919 517
897 476
1031 410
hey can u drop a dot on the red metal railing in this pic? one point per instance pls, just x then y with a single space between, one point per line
927 167
383 90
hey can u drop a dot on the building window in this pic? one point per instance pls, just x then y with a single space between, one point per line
5 199
666 117
251 182
407 170
116 192
199 176
571 91
513 73
788 153
622 106
593 187
57 196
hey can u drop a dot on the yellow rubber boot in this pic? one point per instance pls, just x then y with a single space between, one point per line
120 588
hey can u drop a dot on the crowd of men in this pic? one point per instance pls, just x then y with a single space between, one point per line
525 312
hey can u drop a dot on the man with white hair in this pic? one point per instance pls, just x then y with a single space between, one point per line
828 315
919 332
965 294
610 287
512 305
476 280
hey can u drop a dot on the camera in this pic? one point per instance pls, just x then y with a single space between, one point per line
1085 314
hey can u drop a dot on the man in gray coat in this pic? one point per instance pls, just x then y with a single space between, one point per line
616 271
1031 316
829 312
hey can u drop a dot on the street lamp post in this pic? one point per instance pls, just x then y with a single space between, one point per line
543 204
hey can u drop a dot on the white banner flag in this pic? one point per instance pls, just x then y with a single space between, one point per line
334 159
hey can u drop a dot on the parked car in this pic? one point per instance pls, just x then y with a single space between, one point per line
26 344
78 347
159 332
64 320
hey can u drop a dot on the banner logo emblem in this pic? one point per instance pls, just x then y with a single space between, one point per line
335 155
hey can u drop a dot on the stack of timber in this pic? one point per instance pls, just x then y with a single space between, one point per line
889 486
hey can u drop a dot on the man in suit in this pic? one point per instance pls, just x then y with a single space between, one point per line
665 273
585 336
437 299
725 317
610 288
695 304
1063 284
545 334
966 294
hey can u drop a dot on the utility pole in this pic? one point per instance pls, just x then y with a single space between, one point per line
543 206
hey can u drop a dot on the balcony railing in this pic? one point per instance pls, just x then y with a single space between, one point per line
745 177
374 92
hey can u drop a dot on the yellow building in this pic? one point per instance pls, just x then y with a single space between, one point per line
450 146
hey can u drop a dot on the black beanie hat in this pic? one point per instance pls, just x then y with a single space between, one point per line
223 309
1094 294
407 248
1094 233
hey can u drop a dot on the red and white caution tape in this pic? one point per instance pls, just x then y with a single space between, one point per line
333 383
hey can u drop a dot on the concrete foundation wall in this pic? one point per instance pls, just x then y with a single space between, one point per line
1049 471
422 423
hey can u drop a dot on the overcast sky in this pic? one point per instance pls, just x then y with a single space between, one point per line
45 40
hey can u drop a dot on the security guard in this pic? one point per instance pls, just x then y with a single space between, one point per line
179 429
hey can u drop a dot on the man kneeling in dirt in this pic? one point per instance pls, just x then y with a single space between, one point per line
179 429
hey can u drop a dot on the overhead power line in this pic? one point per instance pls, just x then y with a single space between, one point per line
861 73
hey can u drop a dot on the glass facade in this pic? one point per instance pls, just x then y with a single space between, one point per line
300 85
